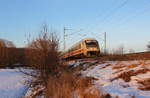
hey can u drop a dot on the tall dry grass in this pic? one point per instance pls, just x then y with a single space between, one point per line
71 86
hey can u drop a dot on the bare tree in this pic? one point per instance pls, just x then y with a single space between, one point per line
2 44
3 57
6 44
131 51
42 54
119 50
7 53
148 46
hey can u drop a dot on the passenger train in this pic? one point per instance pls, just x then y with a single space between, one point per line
88 47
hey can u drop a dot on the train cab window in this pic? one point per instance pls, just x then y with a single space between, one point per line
91 43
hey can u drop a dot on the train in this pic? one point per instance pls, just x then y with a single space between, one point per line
88 47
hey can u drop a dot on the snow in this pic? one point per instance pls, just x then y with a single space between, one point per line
32 91
12 83
105 72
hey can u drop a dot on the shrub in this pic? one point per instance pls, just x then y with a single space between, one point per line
42 54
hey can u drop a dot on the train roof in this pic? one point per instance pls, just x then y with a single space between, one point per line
80 42
84 40
88 39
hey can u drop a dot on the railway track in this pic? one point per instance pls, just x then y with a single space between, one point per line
126 57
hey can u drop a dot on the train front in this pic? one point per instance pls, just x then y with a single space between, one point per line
92 48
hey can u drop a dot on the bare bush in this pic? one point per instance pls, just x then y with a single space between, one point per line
42 54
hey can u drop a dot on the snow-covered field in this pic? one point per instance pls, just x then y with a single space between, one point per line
125 79
12 83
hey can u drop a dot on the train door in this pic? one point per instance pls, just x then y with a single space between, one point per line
84 48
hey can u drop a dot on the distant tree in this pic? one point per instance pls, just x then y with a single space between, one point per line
120 50
2 44
3 57
6 43
10 44
131 51
7 53
148 46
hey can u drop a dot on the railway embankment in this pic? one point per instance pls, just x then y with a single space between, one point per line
123 78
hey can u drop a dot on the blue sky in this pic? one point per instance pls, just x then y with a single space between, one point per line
125 21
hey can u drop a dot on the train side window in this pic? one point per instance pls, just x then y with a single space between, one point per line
73 48
76 47
80 46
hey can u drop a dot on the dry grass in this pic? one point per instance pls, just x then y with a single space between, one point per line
118 66
142 63
126 57
68 86
145 84
126 76
60 87
105 66
132 66
118 71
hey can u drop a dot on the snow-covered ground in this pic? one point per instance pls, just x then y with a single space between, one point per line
124 79
12 83
119 78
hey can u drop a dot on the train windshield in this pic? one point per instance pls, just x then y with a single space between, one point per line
91 43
